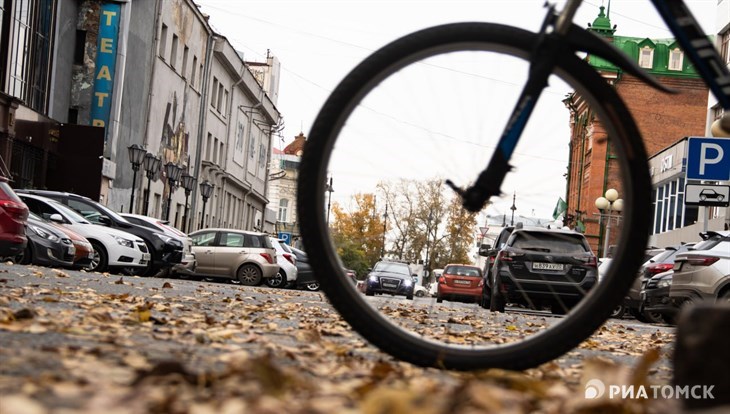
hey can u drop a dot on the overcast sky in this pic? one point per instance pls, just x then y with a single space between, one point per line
318 42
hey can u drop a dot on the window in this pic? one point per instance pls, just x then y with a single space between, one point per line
173 51
204 239
184 69
283 210
215 150
192 74
724 45
220 97
232 240
225 102
221 154
163 41
208 144
646 57
80 47
214 97
676 57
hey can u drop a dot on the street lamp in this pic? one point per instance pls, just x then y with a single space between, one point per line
151 166
206 190
136 157
609 202
385 228
188 183
173 172
330 190
428 236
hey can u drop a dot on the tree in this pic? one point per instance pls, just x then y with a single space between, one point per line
358 232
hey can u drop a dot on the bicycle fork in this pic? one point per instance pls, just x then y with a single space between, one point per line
542 62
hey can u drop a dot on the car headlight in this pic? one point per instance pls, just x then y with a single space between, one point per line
407 283
124 242
169 240
42 233
373 278
666 282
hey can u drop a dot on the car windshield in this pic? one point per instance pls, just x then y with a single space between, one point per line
69 213
111 213
462 271
548 242
399 268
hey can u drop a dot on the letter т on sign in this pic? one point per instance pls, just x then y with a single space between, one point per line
708 159
106 57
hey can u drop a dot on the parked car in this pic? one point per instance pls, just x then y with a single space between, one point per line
657 264
47 245
165 251
460 282
113 249
540 268
490 252
84 251
13 216
305 276
287 274
704 273
188 263
394 278
655 297
244 256
603 265
420 291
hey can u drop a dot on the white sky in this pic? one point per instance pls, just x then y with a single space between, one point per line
319 42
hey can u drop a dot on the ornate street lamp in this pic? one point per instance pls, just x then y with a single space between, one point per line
151 166
609 202
188 183
385 228
173 172
136 157
206 190
330 190
428 236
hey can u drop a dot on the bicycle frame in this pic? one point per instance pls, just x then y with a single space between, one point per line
565 34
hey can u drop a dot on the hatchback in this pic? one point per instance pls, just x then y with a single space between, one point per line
460 283
542 268
13 215
244 256
287 261
47 245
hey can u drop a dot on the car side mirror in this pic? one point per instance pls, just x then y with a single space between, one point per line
484 249
105 221
56 218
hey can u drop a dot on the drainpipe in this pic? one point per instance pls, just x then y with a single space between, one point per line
202 118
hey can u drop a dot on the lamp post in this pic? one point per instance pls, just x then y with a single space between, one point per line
151 166
330 190
173 172
428 236
206 190
385 228
136 157
513 208
188 183
609 202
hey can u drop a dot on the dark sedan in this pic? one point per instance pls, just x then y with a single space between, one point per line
390 277
47 245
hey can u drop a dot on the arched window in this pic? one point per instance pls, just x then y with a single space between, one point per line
283 210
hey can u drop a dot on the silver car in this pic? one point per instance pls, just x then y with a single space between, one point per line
703 274
244 256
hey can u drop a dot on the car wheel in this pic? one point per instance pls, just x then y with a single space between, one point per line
420 294
496 300
369 292
276 281
100 261
618 312
25 257
249 275
439 299
652 317
312 287
409 297
669 319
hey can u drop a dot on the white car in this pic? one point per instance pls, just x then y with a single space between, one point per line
113 249
287 262
188 263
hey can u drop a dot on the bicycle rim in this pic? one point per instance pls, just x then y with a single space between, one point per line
429 107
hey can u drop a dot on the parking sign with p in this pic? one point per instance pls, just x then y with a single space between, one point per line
708 159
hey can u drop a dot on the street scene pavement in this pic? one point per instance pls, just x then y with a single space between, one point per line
72 341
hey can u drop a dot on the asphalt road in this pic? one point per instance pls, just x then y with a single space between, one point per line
86 341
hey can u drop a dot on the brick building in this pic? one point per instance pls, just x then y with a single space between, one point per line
662 119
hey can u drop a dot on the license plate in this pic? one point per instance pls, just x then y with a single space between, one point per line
548 266
390 285
462 282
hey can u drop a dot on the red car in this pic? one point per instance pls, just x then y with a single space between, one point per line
460 283
13 215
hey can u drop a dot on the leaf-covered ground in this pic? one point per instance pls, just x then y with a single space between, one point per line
98 343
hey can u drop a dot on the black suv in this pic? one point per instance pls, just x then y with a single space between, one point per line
166 251
490 252
540 268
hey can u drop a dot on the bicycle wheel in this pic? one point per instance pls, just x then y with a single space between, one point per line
429 107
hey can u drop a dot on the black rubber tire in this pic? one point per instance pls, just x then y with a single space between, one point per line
101 258
376 328
249 275
25 257
439 299
497 303
420 294
618 312
652 317
276 281
409 297
312 286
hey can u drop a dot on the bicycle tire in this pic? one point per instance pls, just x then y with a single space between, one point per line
312 209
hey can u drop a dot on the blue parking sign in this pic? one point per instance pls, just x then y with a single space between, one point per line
286 237
708 159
